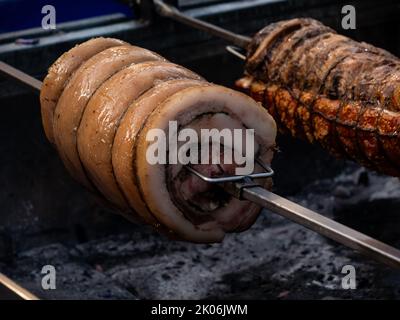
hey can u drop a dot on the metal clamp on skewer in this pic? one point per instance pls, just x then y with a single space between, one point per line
244 188
237 188
234 185
268 172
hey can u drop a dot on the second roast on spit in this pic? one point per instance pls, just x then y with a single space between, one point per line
99 101
324 87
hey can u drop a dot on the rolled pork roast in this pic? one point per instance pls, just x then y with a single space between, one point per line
326 88
101 99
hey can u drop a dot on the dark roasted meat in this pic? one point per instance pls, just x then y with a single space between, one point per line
326 88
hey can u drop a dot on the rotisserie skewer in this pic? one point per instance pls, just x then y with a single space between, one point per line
244 188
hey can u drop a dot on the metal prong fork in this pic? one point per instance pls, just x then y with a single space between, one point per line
245 188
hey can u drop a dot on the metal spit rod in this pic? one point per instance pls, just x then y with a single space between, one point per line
247 189
172 12
323 225
25 79
16 288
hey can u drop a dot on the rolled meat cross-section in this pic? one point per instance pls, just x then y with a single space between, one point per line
103 123
193 209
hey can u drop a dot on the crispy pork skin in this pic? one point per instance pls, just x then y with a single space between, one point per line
83 84
61 71
124 143
102 115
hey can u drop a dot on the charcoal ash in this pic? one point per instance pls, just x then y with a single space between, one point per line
275 259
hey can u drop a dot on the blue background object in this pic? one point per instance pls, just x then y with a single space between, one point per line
23 14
